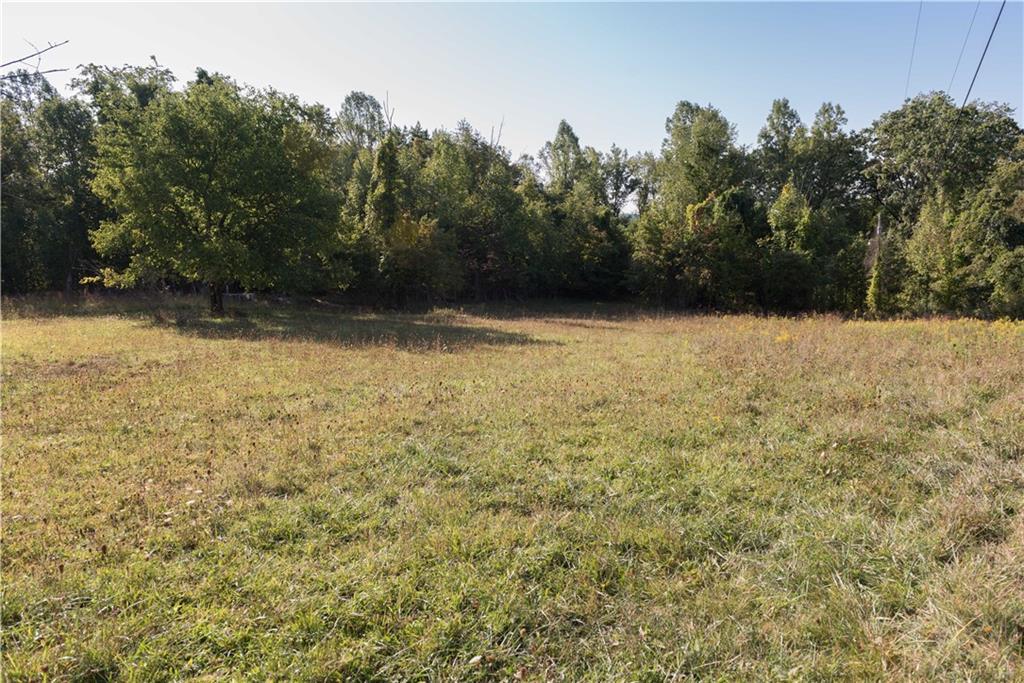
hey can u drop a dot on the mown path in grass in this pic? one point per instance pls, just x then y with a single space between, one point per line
580 492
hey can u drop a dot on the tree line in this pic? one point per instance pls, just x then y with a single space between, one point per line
133 181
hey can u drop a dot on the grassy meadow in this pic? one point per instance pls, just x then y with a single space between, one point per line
516 493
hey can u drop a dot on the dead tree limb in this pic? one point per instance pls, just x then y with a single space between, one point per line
24 60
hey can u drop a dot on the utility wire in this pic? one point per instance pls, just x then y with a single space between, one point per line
956 121
956 68
951 140
917 26
984 52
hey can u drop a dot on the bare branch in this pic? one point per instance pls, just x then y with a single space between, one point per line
389 111
22 60
16 74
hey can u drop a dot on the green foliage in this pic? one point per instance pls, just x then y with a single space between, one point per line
720 265
219 185
360 121
137 181
776 154
699 155
620 178
382 201
788 274
929 145
888 272
1006 275
563 159
960 254
418 262
24 206
936 283
48 206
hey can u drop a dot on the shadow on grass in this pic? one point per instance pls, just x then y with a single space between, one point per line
298 321
407 331
458 326
566 311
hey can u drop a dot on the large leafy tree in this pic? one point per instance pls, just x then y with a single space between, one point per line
469 184
215 184
929 144
830 161
700 155
960 256
223 184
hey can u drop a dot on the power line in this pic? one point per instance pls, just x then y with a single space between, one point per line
951 140
956 68
917 25
984 52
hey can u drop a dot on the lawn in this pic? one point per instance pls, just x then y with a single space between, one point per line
552 492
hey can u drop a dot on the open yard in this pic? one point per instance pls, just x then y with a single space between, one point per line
578 492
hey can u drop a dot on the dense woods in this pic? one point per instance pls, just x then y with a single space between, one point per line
136 181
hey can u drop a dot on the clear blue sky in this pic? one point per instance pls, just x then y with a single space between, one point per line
613 71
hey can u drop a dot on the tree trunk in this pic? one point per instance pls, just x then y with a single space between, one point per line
216 299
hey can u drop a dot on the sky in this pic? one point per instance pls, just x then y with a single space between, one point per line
614 71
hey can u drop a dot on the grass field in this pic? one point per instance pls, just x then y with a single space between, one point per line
574 492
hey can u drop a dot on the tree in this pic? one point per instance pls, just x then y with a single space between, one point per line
777 150
700 156
48 206
67 154
936 280
361 122
383 201
644 169
788 276
1007 277
830 162
929 144
562 159
888 273
619 178
218 185
23 204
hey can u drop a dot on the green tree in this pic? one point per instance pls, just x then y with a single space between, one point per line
562 159
619 178
48 206
1007 277
217 185
776 155
929 144
361 123
383 201
67 154
700 156
830 162
788 274
23 204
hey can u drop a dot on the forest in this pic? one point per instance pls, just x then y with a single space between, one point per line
137 181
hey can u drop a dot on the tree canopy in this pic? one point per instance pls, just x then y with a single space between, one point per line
139 181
